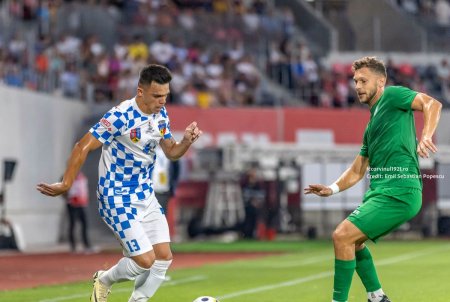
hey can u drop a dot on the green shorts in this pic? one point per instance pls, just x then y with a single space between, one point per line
385 209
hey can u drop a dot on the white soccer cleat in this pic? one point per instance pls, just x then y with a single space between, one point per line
100 291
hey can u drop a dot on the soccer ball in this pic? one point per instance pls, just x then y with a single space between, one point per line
206 299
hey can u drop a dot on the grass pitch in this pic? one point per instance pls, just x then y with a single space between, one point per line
303 271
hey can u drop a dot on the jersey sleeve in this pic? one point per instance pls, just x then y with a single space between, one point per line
111 125
166 133
364 148
402 97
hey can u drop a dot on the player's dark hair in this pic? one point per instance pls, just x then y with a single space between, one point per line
372 63
154 73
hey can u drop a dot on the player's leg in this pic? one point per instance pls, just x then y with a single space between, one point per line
344 238
155 224
368 274
137 248
128 268
383 210
148 283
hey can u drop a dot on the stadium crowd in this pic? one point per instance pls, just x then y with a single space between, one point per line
227 70
438 10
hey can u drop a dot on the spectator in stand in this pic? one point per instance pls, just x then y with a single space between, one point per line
162 50
443 73
138 49
70 81
442 10
106 78
17 48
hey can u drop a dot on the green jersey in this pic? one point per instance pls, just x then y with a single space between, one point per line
390 141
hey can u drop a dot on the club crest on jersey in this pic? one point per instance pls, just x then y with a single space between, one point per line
162 127
135 135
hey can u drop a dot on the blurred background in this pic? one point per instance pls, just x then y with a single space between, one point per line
269 83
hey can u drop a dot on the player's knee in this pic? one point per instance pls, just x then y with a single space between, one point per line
166 256
163 251
145 260
339 235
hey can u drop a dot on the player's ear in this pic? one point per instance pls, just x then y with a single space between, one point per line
140 91
381 81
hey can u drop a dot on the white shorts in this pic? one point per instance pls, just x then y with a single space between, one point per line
137 225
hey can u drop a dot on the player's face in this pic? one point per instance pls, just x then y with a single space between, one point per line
368 85
153 97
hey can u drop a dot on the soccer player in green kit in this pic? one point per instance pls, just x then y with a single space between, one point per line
390 149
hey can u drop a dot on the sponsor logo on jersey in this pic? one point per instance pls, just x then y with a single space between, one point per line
121 191
149 147
105 122
135 135
150 128
162 127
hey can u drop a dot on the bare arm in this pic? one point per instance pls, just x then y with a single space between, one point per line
348 179
431 109
77 158
173 149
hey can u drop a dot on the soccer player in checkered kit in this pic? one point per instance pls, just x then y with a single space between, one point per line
128 135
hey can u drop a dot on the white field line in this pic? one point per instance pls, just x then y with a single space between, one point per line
387 261
128 289
287 263
303 262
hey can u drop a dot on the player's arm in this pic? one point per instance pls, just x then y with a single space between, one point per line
173 149
431 109
348 179
77 158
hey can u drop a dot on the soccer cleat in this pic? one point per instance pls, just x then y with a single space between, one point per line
383 299
100 291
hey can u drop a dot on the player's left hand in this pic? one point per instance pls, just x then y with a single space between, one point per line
192 133
319 190
426 144
55 189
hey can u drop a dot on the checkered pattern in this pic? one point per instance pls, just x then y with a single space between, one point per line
129 138
117 216
126 165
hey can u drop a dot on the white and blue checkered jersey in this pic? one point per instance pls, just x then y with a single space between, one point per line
129 138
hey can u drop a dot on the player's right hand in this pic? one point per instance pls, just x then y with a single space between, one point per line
319 190
55 189
192 133
426 144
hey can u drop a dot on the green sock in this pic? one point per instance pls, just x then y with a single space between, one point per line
343 274
366 270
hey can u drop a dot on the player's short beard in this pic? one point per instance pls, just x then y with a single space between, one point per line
369 97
